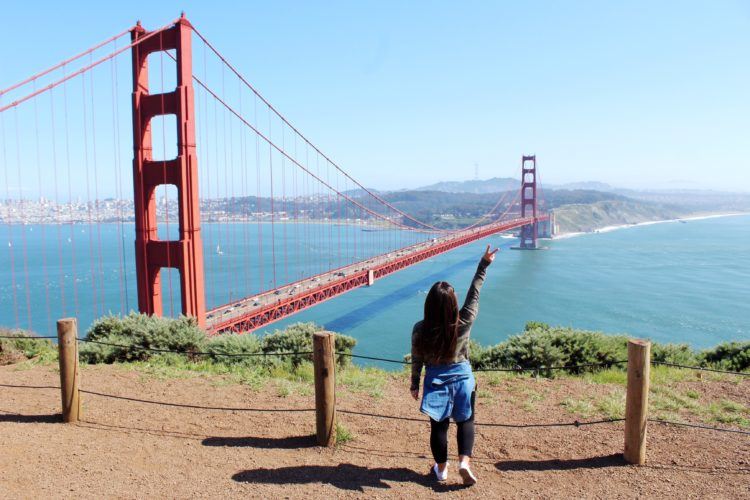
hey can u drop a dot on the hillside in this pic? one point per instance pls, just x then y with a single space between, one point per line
578 217
477 186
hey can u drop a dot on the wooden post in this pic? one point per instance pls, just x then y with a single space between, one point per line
325 387
67 345
636 404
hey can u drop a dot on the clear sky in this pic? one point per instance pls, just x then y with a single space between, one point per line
403 94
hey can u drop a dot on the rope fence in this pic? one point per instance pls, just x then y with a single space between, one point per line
515 369
323 355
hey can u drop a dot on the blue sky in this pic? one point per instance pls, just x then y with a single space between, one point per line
403 94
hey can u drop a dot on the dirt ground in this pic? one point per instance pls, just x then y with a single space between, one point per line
223 440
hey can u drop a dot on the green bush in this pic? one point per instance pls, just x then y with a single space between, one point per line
140 331
133 334
298 338
542 346
234 344
681 354
728 356
22 349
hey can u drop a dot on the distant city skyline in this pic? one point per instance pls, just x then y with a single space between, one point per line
640 95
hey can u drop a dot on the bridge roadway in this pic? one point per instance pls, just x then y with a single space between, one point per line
251 313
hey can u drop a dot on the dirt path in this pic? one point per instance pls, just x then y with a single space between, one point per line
131 449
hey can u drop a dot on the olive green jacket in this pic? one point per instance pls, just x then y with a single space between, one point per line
466 317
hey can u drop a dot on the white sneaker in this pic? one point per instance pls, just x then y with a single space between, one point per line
441 476
469 478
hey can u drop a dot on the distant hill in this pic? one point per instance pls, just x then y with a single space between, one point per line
589 185
586 217
494 185
500 184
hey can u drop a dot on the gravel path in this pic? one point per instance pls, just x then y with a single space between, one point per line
218 445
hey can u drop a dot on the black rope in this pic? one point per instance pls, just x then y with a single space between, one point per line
197 407
26 337
373 358
700 368
197 353
488 424
697 426
575 423
517 369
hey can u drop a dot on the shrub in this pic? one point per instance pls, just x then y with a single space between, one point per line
728 356
234 344
298 338
135 331
22 349
140 331
541 346
681 354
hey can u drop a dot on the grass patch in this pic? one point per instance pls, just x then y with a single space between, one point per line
343 435
582 407
612 405
370 381
729 412
485 394
613 376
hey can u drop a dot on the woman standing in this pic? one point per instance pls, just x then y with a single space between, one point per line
441 342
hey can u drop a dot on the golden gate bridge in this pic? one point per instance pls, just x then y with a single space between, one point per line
213 163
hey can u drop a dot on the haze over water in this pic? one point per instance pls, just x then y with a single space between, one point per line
673 282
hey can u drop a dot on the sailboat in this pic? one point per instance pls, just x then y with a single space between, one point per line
218 250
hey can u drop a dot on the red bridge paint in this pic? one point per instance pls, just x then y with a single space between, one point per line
151 253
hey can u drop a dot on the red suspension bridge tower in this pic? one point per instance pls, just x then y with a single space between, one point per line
529 232
151 253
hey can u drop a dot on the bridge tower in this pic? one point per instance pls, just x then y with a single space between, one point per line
528 202
151 253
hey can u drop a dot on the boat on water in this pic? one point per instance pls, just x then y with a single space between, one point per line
218 250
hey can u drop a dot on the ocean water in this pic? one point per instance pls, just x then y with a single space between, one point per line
671 282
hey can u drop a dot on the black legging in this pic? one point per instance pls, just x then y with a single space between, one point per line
439 436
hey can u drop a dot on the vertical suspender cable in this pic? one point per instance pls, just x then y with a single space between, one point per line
74 270
258 202
96 196
89 212
58 208
23 229
283 203
124 286
9 203
273 214
42 226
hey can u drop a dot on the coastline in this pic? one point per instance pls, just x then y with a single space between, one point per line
607 229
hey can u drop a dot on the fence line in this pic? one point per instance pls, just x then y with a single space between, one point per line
516 369
197 407
197 353
700 368
636 410
697 426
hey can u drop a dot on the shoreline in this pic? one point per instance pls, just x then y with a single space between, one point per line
607 229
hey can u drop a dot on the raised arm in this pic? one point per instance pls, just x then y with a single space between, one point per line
471 305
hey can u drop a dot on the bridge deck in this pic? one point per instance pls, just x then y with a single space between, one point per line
251 313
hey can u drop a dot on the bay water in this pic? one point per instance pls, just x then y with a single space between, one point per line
670 282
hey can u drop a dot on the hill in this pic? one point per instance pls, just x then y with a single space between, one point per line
493 185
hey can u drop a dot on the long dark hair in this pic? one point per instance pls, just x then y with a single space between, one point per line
440 326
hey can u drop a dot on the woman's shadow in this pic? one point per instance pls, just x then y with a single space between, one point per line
343 476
